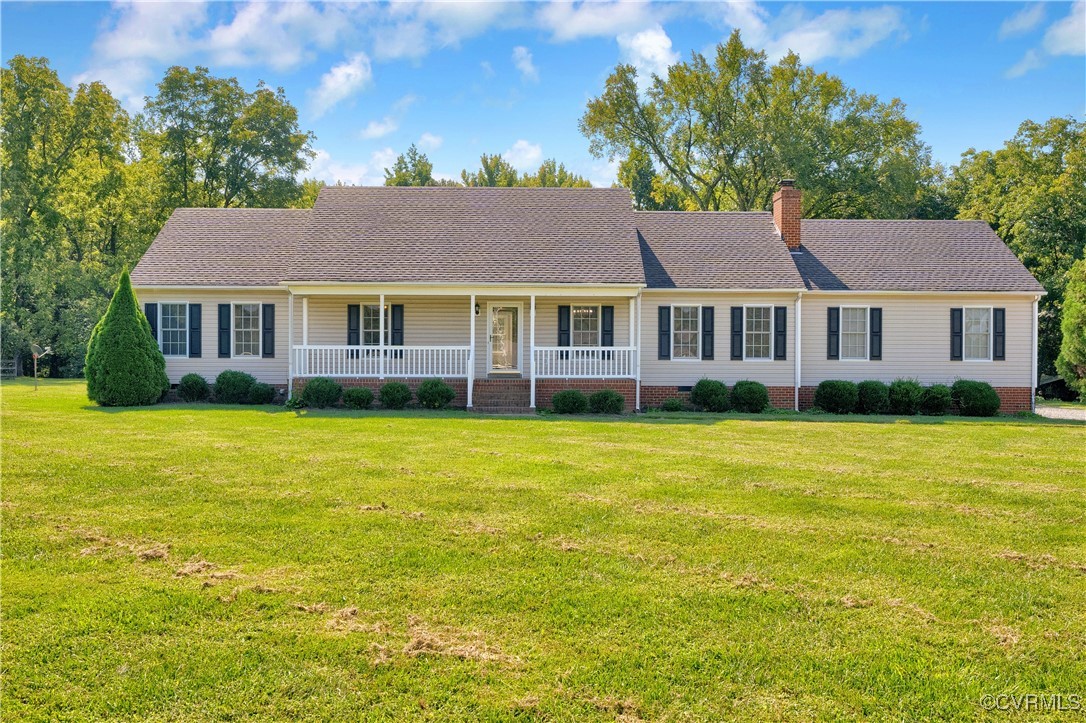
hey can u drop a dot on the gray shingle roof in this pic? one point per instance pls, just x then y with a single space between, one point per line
222 247
712 250
858 255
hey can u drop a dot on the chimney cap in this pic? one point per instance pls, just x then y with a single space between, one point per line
786 183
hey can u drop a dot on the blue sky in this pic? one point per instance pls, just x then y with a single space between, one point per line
461 79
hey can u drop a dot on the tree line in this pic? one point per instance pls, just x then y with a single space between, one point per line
88 185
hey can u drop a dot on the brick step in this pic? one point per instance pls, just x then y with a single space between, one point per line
503 410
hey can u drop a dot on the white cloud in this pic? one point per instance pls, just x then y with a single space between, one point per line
1030 61
522 59
370 173
282 35
430 142
1067 36
524 156
412 29
603 173
649 51
1022 21
380 128
488 69
567 20
341 82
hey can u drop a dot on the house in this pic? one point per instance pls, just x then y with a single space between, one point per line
512 294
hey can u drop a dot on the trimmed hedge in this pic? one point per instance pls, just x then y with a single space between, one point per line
905 396
232 387
749 396
710 395
975 399
873 397
675 404
394 395
261 393
193 388
836 396
435 394
570 401
606 401
358 398
321 392
935 401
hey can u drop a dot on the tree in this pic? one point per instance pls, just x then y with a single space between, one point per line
309 189
724 132
552 174
124 365
1071 363
651 192
412 168
493 171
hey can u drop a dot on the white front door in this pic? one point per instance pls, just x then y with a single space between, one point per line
504 338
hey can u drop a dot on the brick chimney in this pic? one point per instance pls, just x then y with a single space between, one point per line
787 212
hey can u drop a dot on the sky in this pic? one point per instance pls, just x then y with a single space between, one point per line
460 79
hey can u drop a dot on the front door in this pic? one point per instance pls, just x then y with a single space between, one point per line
504 338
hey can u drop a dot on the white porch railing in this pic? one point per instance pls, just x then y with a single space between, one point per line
390 361
587 362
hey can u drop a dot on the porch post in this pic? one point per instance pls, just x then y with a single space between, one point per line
471 344
637 355
381 333
531 353
290 344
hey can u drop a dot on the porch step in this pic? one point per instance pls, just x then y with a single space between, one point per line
515 394
504 410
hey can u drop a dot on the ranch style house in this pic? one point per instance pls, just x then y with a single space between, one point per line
513 294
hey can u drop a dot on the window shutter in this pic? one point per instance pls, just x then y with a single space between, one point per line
874 334
607 326
267 331
354 324
396 335
563 325
955 335
737 333
196 313
833 332
999 334
663 328
151 312
224 331
708 337
780 332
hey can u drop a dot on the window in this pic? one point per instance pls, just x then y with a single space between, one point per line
174 325
854 332
586 325
685 332
371 325
246 329
758 337
978 334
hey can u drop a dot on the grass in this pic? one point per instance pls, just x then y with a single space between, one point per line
205 562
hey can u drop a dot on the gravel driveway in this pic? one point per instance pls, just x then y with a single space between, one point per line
1075 413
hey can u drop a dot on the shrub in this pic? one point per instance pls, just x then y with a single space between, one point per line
975 399
905 396
749 397
836 396
321 392
193 388
232 387
936 400
606 401
261 393
673 405
872 397
435 394
569 401
294 403
358 398
124 366
710 395
394 395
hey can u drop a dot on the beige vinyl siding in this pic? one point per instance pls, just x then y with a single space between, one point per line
916 340
681 372
272 371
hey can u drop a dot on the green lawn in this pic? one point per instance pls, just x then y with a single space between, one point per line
204 562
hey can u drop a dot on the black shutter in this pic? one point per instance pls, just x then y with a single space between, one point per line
955 335
196 312
780 332
354 325
224 331
833 332
708 338
999 334
663 329
267 331
607 326
874 338
151 312
563 326
737 333
396 337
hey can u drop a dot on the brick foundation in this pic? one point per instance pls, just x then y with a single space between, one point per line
547 388
779 397
460 386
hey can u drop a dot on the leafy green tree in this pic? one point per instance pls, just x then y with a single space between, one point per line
651 192
124 365
552 174
725 131
412 168
309 189
493 171
1071 363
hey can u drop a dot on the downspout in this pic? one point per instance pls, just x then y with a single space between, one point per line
799 346
637 355
1033 366
290 344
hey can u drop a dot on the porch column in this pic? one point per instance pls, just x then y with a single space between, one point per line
381 333
290 344
471 350
531 353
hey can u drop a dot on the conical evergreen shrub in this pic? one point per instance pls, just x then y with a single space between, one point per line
124 365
